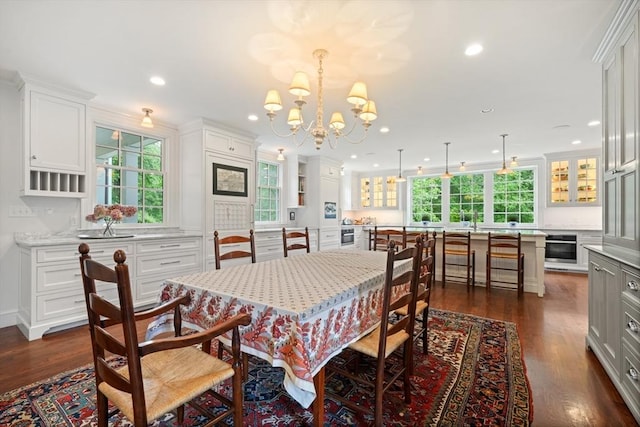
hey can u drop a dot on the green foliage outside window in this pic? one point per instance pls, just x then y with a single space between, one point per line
513 197
426 198
466 195
129 171
268 193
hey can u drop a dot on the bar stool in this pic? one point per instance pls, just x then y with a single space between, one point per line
457 252
505 247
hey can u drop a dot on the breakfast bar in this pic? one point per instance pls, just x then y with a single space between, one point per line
533 246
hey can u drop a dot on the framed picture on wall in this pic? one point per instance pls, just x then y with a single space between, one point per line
229 180
330 210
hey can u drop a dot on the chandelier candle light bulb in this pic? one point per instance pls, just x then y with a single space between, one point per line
363 109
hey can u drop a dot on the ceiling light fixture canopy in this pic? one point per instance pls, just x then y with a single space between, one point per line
504 169
446 174
400 178
364 110
280 157
146 120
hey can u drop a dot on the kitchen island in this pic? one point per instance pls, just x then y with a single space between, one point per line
533 245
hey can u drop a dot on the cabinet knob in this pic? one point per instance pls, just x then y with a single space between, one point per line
33 157
633 373
633 326
596 268
632 285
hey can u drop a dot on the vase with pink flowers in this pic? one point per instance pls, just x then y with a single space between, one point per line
111 214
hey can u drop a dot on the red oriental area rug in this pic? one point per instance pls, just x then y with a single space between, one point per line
474 375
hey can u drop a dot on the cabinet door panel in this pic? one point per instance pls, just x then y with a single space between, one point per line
629 125
57 131
610 107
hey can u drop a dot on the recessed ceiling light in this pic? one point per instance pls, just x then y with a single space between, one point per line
561 127
375 165
384 129
576 142
487 110
593 123
426 159
253 117
473 49
495 151
157 80
354 156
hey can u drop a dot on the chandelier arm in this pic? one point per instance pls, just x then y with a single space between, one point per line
346 137
306 134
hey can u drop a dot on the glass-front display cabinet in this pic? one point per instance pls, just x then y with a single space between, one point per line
573 181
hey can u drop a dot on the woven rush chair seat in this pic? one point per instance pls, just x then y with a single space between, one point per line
169 380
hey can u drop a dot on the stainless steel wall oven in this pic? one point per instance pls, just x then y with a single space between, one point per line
561 248
347 236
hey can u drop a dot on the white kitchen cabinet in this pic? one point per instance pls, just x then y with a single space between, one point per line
229 144
585 238
51 291
614 319
329 238
379 191
54 140
202 144
621 137
297 181
323 204
573 178
269 243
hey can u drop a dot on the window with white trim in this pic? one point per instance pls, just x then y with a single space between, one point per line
130 171
269 190
513 197
426 199
466 196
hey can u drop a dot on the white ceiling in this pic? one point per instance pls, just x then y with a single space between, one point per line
220 57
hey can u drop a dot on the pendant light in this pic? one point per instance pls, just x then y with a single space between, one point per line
446 174
514 162
400 178
504 169
280 157
462 166
420 171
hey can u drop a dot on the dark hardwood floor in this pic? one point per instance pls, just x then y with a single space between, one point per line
568 384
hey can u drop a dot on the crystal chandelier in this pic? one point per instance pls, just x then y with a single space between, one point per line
364 110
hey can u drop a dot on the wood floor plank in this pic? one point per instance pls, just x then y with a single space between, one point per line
568 384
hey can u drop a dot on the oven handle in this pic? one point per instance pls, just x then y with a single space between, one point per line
568 242
347 234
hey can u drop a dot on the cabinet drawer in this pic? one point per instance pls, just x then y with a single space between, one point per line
70 303
631 283
70 252
631 324
167 246
167 264
631 373
56 277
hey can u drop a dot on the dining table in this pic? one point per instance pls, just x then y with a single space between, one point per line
304 310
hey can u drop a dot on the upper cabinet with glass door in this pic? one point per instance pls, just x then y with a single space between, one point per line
379 192
573 179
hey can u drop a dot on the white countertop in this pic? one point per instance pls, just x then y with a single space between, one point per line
29 240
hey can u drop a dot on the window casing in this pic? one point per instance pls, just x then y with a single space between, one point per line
514 196
130 171
269 191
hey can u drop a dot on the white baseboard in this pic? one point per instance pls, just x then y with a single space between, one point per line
8 318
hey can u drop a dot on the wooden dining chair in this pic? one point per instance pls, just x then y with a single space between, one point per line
502 251
161 375
382 237
457 253
393 333
423 298
297 244
234 243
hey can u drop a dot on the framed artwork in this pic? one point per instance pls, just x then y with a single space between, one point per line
229 180
330 210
